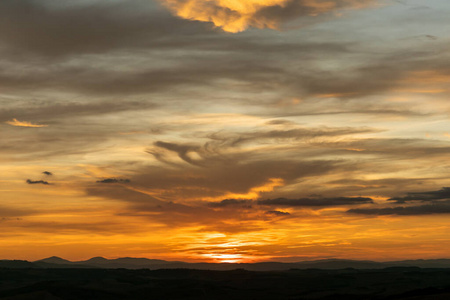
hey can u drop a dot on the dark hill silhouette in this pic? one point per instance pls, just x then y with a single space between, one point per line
154 264
17 264
55 260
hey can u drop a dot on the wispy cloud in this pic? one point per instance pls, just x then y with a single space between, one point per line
416 210
18 123
316 201
277 213
113 180
442 194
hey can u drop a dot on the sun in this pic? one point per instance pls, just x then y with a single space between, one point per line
225 258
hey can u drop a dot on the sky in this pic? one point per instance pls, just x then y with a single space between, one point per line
225 130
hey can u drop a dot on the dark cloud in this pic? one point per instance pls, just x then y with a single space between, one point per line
125 194
385 187
292 134
8 213
315 201
307 202
29 181
182 150
169 213
46 29
294 9
220 177
442 194
393 148
58 111
427 209
277 213
113 180
220 141
231 202
47 173
54 141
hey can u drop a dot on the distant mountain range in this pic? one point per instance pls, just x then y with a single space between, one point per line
154 264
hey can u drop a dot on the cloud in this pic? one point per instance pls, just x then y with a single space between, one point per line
439 204
288 134
53 110
231 202
47 173
18 123
29 181
442 194
316 201
50 30
236 15
427 209
7 212
224 178
113 180
303 202
182 150
277 213
222 141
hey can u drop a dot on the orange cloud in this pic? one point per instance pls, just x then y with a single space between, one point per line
18 123
238 15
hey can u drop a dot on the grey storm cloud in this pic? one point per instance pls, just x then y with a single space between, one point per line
442 194
417 210
29 181
315 201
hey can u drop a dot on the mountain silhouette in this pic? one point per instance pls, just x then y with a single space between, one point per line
154 264
55 260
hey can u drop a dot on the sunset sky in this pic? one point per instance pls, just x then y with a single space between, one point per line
225 130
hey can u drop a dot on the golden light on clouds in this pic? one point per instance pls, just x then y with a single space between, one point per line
230 15
238 15
254 192
15 122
